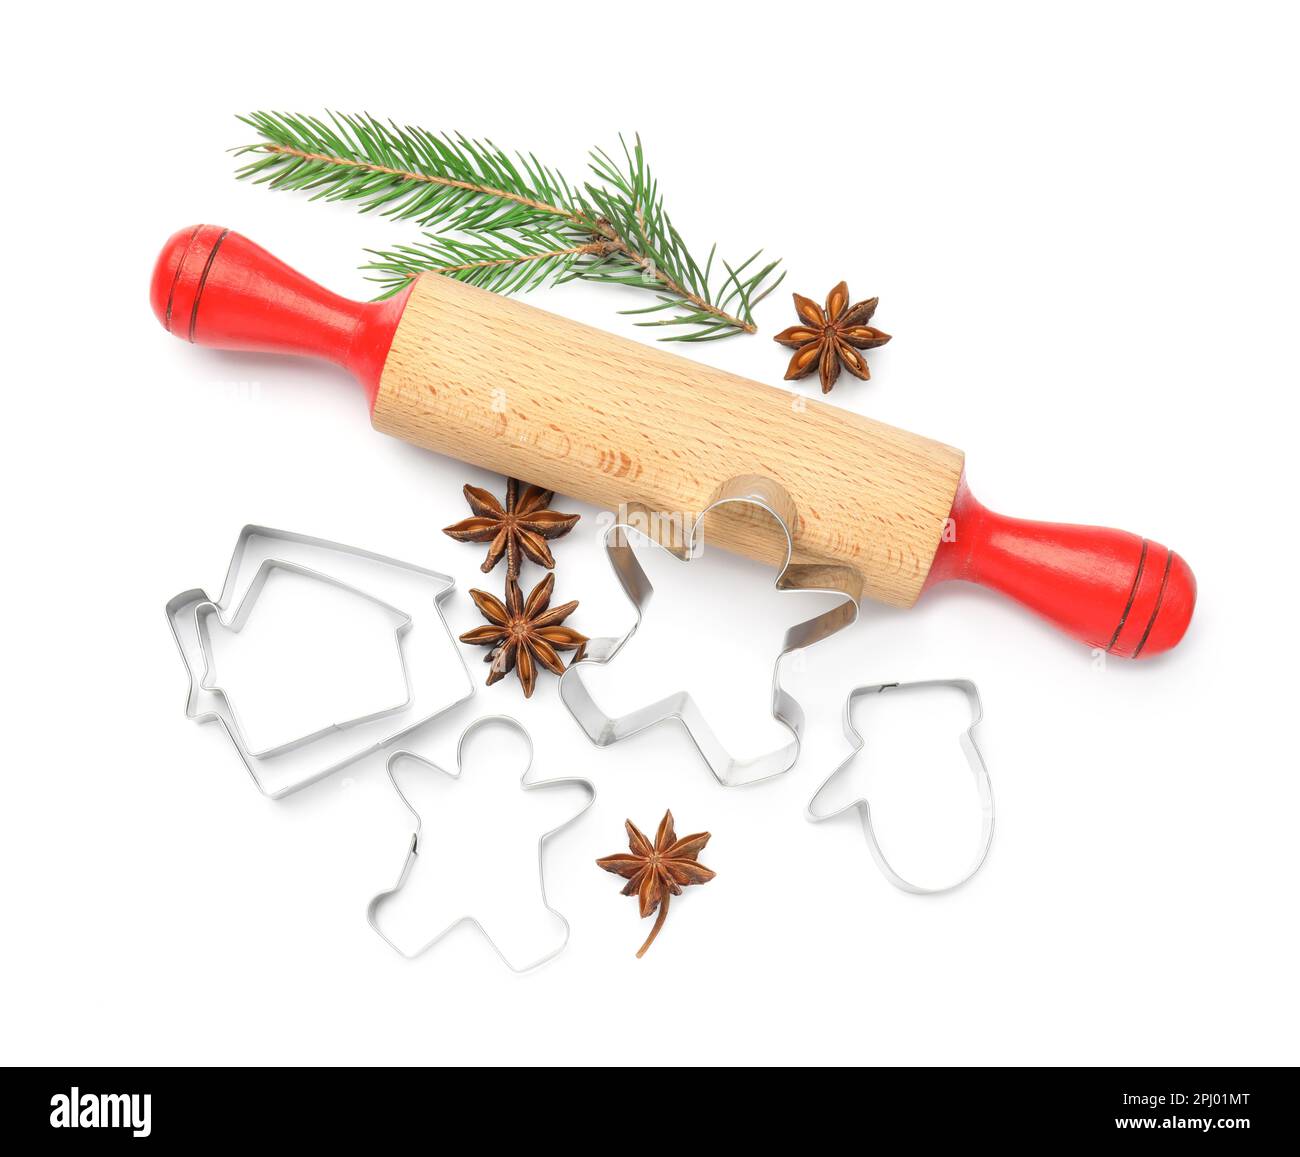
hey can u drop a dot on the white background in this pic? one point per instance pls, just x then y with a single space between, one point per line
1081 224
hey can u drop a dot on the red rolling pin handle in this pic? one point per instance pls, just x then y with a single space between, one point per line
1110 589
1107 588
253 301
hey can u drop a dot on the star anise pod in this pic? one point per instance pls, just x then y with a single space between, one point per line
831 337
657 872
519 528
523 633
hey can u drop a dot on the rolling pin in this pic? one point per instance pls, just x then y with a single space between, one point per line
609 421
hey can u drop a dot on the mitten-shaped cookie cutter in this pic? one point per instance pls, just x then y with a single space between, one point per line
983 785
758 493
413 850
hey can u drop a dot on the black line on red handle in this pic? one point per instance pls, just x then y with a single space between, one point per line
1137 578
203 280
176 276
1160 598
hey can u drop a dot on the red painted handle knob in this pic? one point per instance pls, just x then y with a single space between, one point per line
1110 589
216 288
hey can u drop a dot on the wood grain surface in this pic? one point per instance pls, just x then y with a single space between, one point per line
606 420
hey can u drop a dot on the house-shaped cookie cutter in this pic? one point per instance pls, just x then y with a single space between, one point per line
437 677
205 611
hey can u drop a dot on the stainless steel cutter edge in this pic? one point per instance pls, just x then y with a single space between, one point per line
974 757
238 616
413 850
445 587
603 729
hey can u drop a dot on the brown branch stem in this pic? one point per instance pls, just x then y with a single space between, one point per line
449 182
613 240
591 247
648 265
659 923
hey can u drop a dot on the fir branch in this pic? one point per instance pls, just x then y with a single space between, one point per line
519 223
409 174
501 263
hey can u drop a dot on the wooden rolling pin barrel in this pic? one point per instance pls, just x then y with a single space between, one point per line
509 387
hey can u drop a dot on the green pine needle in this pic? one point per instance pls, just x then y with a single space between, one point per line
507 223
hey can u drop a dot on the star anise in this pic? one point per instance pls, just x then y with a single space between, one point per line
831 337
524 634
519 528
657 872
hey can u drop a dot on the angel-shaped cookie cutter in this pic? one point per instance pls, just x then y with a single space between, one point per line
413 850
983 785
602 729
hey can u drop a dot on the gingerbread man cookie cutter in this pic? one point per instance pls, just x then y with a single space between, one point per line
378 901
756 493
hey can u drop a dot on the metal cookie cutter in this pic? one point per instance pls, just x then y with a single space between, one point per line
204 611
602 729
435 670
413 851
983 785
